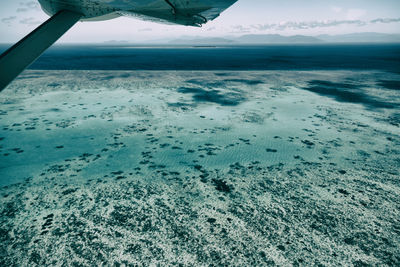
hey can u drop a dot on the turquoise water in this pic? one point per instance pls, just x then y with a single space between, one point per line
200 168
265 121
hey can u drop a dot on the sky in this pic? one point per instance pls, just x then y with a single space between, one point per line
285 17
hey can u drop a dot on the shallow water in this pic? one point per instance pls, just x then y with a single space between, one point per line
200 167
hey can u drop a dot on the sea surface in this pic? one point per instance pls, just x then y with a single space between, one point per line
283 155
271 57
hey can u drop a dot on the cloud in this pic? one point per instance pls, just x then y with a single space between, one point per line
385 20
30 21
292 25
305 25
8 20
353 14
240 29
336 9
28 6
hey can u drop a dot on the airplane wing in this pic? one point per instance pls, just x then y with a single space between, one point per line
65 13
184 12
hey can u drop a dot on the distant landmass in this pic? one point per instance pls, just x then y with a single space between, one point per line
275 38
366 37
202 41
250 39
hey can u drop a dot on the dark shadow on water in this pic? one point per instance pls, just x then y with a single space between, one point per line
190 90
394 119
54 110
213 96
390 84
54 84
182 106
124 75
347 93
222 74
248 82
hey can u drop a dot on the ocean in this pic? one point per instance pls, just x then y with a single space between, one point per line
271 57
283 155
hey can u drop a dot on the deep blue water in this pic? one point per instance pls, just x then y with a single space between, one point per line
272 57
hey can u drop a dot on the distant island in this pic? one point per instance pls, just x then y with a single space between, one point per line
259 39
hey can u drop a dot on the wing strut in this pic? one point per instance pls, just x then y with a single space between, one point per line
25 52
172 6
